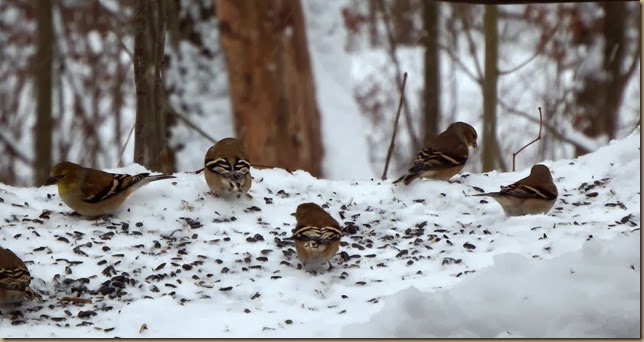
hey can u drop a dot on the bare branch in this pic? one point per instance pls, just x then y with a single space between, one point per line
392 55
190 124
514 155
539 51
393 135
551 129
120 163
471 45
14 151
458 61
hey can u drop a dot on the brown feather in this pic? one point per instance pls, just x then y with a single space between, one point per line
14 279
534 194
444 156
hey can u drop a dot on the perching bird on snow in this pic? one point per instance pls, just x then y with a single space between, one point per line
316 236
227 168
14 279
94 192
535 194
444 156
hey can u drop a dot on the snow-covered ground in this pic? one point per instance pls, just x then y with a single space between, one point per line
420 261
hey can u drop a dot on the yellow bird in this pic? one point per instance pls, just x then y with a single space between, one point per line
94 192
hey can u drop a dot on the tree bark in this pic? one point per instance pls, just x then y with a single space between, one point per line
150 144
431 108
271 82
600 97
43 84
490 19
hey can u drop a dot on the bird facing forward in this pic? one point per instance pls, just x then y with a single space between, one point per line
444 156
227 168
316 236
14 279
535 194
94 192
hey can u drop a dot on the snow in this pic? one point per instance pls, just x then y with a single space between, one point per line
186 264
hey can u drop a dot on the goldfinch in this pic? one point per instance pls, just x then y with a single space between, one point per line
227 168
444 156
93 192
534 194
316 236
14 279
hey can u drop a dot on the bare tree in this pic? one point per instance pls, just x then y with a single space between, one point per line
271 82
150 145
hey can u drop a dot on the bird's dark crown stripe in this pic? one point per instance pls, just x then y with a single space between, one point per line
241 165
317 233
219 165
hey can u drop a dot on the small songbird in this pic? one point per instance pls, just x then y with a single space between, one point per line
535 194
14 279
227 168
444 156
317 235
94 192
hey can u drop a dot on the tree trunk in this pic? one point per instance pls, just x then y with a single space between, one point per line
431 109
403 21
150 144
271 83
43 85
490 19
601 96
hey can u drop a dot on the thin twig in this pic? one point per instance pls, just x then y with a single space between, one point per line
514 155
536 54
76 300
394 59
190 124
393 135
125 145
14 150
561 135
471 45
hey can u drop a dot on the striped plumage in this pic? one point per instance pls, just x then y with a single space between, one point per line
534 194
94 192
14 279
444 156
316 236
227 168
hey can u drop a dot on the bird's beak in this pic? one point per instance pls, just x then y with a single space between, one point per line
51 180
292 214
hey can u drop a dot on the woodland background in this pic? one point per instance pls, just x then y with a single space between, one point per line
308 84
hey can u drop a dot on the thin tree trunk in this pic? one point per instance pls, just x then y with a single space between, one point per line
431 109
161 153
141 64
490 19
150 144
43 83
271 82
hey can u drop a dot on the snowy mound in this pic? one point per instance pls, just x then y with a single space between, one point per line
176 262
